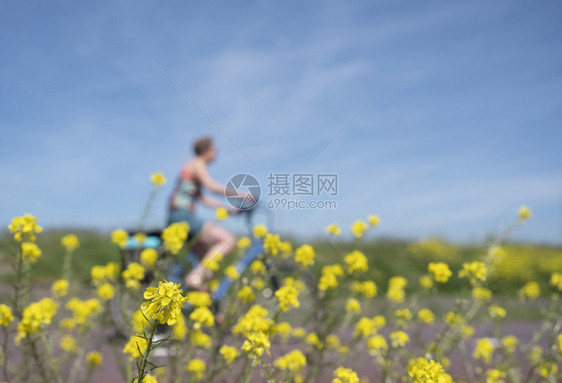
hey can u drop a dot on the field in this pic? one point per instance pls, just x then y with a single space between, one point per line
382 310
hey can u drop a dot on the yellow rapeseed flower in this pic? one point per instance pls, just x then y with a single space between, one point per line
524 213
358 228
174 236
106 291
135 347
426 316
35 316
59 288
221 213
164 303
423 370
305 255
256 344
6 315
287 296
229 354
259 231
356 261
197 367
293 361
353 306
158 179
333 229
496 312
148 258
232 273
484 350
476 272
70 242
119 237
68 344
556 281
329 277
246 294
345 375
94 359
244 243
396 286
133 274
398 338
440 271
24 228
531 291
374 220
30 252
203 317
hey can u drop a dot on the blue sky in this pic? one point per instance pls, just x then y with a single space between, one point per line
467 132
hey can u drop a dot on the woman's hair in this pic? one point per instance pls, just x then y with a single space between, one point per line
202 144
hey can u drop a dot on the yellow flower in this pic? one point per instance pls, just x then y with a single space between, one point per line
221 213
255 320
524 213
119 237
287 296
197 367
148 257
299 332
547 369
212 263
379 321
426 282
203 316
333 229
356 261
484 350
30 251
256 344
259 231
200 339
68 344
246 295
509 343
136 347
358 228
440 271
285 247
157 179
374 220
179 330
305 255
496 312
353 306
106 291
94 359
70 242
229 354
345 375
403 314
258 267
426 316
59 288
366 288
164 303
475 271
83 311
133 274
138 322
198 298
481 293
35 316
140 238
396 287
535 355
422 370
293 361
232 273
495 376
25 228
556 280
283 329
147 379
244 243
313 340
364 327
6 316
328 279
531 290
454 319
271 244
399 338
107 273
174 236
377 345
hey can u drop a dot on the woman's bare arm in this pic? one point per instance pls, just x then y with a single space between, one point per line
204 177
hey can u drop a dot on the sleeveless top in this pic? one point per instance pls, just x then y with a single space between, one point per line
186 192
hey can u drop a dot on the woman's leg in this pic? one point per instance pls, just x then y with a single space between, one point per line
214 239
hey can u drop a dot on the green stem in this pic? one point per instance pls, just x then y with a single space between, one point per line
5 355
142 372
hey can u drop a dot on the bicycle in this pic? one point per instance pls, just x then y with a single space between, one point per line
278 268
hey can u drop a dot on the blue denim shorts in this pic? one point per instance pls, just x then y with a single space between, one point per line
183 215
